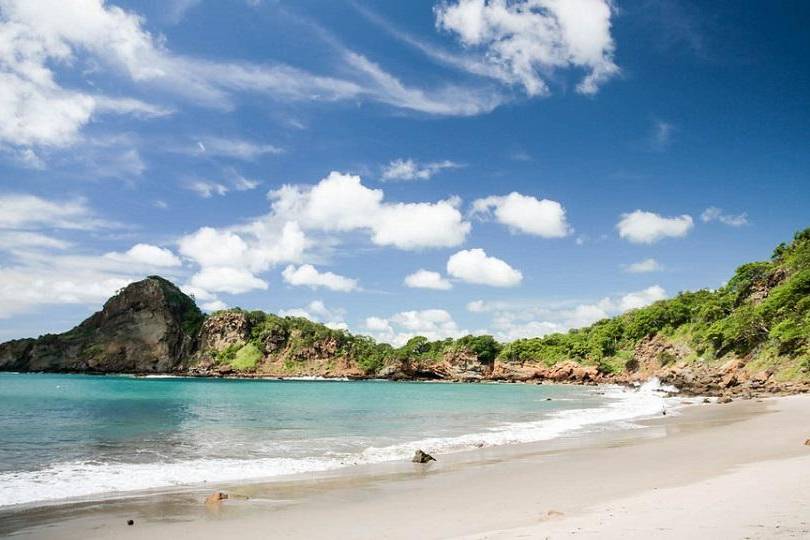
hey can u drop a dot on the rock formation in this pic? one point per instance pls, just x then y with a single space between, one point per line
148 327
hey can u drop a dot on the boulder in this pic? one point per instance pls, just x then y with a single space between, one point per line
422 457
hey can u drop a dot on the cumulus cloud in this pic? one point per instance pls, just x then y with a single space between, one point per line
307 275
531 39
475 266
716 214
426 279
399 328
340 202
525 214
642 227
230 258
408 169
643 267
226 279
147 254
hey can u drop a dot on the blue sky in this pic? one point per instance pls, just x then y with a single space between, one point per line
420 167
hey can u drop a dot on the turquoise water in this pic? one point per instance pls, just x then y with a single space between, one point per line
74 435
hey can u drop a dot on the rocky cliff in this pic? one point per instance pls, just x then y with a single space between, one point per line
148 327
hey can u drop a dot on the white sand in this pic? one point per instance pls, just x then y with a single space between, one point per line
717 471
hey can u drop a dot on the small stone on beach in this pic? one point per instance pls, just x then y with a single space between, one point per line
422 457
130 522
807 442
216 497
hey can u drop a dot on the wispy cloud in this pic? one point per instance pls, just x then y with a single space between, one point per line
716 214
408 169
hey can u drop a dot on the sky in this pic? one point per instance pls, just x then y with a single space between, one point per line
396 168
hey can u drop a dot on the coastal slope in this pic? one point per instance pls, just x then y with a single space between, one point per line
750 336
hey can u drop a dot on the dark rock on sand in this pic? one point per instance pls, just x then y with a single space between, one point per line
422 457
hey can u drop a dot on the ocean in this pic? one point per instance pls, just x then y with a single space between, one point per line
65 436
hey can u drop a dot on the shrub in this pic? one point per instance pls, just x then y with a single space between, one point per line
246 358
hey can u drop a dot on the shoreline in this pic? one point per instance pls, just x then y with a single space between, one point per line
498 490
621 408
728 382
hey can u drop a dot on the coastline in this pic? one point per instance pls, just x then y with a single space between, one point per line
591 409
498 492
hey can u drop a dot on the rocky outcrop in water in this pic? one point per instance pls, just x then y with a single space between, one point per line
150 326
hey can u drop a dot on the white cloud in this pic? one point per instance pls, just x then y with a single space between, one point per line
147 254
317 311
211 247
661 135
716 214
10 240
233 148
340 202
25 287
646 227
23 211
337 204
426 279
206 189
531 39
399 328
643 298
408 169
526 214
226 279
214 305
643 267
240 183
516 320
474 266
235 254
307 275
449 100
35 109
36 275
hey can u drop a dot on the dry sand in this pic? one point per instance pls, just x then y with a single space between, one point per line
738 470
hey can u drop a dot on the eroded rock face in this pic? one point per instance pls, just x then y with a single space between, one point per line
148 327
224 329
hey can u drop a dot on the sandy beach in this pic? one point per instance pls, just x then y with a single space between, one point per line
732 470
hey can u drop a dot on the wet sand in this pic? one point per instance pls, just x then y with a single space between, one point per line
736 470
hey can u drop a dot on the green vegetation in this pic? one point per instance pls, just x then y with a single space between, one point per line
246 358
762 310
762 314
